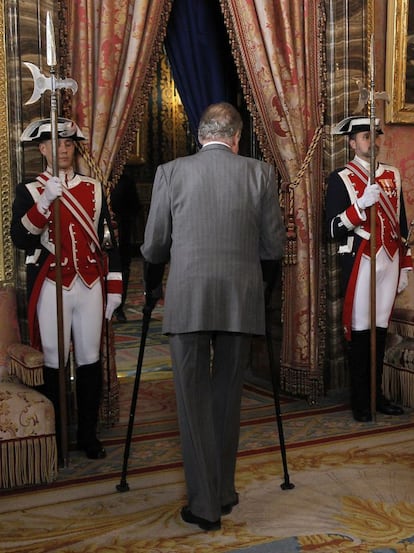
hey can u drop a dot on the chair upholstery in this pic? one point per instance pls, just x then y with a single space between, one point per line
398 377
28 452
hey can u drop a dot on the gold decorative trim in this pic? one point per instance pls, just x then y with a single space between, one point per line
6 250
399 62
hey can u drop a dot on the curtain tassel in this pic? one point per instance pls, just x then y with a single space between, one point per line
291 248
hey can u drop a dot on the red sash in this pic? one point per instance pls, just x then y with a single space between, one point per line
384 200
77 210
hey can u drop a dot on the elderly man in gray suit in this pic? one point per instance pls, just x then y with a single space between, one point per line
215 218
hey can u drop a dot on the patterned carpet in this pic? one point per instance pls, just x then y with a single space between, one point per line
157 363
353 493
353 487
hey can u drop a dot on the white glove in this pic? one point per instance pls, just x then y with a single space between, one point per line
403 281
112 302
53 189
369 197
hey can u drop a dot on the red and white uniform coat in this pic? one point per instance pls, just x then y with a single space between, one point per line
83 210
350 226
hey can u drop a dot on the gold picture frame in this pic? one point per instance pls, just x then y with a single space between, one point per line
6 248
399 70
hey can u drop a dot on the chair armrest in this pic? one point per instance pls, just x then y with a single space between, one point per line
26 363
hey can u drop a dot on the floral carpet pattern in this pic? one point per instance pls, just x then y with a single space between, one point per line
127 341
353 486
353 482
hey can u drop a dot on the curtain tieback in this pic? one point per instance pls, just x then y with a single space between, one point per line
290 257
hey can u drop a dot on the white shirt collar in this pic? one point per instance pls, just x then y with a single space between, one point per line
365 164
217 142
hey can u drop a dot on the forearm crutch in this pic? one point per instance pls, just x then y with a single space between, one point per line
270 274
123 485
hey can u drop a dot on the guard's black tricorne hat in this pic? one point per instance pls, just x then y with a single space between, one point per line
353 125
41 129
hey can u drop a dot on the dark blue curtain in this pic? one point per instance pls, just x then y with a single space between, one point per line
199 53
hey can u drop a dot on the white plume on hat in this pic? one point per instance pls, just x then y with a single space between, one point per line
41 129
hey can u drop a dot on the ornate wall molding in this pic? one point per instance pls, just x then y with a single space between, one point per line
6 249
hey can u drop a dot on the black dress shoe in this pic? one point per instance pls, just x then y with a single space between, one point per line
203 523
226 509
362 415
388 408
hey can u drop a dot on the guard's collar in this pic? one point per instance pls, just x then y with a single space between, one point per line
65 176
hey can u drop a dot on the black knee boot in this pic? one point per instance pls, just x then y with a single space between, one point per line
383 404
88 395
359 366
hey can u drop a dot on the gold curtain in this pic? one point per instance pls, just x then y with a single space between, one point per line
279 51
113 49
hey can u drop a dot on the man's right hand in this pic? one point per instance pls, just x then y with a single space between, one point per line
53 189
369 197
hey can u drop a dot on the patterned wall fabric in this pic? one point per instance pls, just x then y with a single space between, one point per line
346 67
164 131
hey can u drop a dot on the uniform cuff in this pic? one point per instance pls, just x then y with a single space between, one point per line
34 221
114 283
352 217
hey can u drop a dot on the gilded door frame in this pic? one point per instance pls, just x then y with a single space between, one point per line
7 263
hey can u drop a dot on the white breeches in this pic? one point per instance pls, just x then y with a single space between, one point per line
82 321
387 274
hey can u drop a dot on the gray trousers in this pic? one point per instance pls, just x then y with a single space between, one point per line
208 372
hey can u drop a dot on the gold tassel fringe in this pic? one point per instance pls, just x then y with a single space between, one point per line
28 461
398 385
26 363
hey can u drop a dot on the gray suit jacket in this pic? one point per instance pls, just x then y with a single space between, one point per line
213 216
